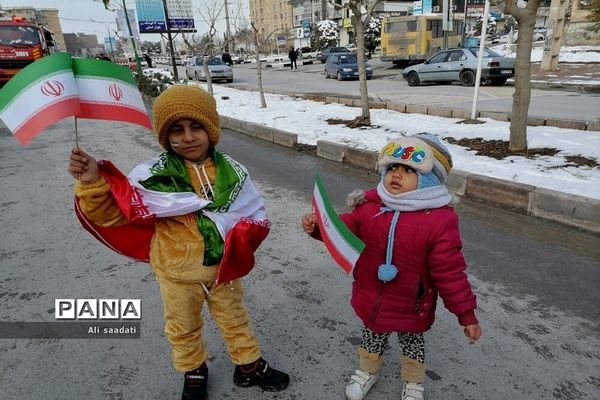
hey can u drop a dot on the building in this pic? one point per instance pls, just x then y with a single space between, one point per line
273 19
47 17
83 44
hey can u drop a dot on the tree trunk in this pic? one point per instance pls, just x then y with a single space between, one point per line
263 102
362 72
522 96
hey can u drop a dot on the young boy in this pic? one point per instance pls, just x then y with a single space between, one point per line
186 247
412 253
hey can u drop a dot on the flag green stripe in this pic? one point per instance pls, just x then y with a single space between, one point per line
33 73
348 236
101 69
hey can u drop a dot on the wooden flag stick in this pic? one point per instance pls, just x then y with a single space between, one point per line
76 134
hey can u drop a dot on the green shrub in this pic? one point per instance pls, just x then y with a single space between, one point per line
152 83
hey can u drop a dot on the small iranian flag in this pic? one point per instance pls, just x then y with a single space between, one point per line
58 86
108 91
342 244
41 94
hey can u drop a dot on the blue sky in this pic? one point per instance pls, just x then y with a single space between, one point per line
75 14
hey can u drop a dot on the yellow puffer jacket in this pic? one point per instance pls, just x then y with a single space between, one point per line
177 248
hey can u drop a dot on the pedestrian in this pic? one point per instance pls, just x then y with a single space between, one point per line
226 57
147 59
412 252
186 248
293 56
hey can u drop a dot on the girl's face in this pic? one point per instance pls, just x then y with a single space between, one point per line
400 179
189 139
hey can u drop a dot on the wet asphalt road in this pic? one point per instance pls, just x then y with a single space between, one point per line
536 284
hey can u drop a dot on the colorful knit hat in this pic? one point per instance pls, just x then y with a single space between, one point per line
185 102
442 163
407 151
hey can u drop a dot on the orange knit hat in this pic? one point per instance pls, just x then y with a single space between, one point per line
181 102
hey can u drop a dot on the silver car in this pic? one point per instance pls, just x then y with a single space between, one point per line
460 65
217 68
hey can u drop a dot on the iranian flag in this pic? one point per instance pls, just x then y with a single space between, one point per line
342 244
241 220
40 95
108 91
57 86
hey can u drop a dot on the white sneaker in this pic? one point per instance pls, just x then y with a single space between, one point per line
412 391
360 384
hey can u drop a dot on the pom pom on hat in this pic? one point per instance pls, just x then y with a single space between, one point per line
442 163
185 102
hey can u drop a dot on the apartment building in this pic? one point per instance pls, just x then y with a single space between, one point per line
273 19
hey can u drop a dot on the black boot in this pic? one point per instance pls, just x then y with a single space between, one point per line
194 384
259 373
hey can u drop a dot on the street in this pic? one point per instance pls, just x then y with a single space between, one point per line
388 85
536 282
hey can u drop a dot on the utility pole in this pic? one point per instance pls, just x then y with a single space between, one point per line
170 38
137 57
446 21
112 52
556 28
227 29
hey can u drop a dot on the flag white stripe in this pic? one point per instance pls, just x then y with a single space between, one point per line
247 204
96 90
344 248
32 100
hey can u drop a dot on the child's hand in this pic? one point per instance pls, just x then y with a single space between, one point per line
309 222
473 332
83 167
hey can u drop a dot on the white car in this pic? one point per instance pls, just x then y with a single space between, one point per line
217 69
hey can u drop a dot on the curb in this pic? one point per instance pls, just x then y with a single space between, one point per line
438 111
568 209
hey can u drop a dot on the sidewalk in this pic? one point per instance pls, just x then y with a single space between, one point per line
583 77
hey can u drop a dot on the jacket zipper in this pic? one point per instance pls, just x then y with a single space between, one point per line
419 298
375 308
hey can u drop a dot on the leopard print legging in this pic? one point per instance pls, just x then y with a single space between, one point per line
412 345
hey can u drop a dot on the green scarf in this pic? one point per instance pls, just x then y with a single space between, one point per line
170 175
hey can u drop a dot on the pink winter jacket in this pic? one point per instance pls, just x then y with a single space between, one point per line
427 253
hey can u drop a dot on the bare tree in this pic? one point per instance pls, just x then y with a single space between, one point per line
263 102
210 16
525 17
360 19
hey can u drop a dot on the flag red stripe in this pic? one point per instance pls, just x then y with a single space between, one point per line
45 117
333 250
114 113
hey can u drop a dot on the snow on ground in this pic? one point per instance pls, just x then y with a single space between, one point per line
307 119
568 54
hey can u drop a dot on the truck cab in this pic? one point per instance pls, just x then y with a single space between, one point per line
21 43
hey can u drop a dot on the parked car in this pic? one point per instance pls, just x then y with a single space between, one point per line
344 66
460 65
329 50
217 68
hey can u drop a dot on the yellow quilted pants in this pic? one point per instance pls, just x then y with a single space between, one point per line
183 302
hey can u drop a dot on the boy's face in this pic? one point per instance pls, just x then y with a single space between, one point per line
189 139
400 179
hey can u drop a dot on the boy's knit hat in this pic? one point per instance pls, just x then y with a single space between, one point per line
183 101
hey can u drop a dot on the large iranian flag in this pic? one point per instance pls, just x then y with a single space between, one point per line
43 93
108 91
342 244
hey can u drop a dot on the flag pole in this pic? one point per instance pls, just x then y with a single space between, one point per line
76 134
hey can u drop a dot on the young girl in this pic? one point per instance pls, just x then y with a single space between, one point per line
198 189
412 253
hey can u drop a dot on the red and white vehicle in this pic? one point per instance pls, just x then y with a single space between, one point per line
21 43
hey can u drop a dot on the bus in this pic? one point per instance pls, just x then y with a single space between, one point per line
414 38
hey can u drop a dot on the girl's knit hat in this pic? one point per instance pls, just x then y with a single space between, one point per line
423 152
185 102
